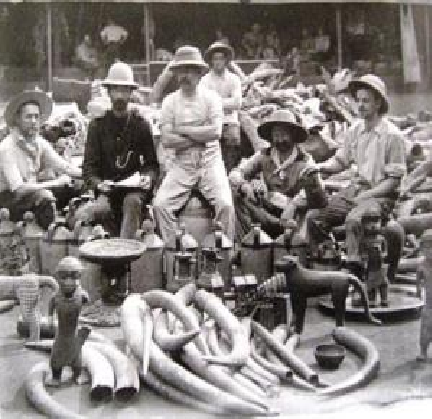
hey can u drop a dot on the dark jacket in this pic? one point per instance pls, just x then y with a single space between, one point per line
115 151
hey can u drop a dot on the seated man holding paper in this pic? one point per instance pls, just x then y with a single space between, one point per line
120 162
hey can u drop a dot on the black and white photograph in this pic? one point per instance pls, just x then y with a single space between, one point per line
215 209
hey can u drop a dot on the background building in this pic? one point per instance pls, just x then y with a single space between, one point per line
38 40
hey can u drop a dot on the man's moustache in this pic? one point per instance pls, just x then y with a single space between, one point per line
120 103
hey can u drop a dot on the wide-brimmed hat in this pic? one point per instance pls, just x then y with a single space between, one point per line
188 56
287 119
370 81
37 96
120 74
219 47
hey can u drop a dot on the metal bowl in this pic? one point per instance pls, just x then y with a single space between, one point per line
329 356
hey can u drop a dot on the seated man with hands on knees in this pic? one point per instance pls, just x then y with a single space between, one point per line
289 179
25 154
120 162
376 147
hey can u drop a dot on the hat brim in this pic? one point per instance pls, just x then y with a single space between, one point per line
188 63
226 50
109 83
41 98
355 85
299 133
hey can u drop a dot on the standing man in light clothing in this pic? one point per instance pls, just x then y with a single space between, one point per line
191 125
24 154
376 146
228 85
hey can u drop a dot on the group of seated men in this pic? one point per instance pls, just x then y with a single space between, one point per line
198 121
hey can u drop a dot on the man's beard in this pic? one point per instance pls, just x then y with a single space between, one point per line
185 81
120 105
283 146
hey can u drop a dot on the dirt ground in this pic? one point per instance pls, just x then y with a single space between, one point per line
402 385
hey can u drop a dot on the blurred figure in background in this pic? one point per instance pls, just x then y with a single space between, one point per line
113 37
86 57
228 86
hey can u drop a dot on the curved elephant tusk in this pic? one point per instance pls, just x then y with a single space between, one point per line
38 396
168 371
269 388
171 342
172 393
163 299
292 342
296 380
137 327
250 365
295 363
100 369
186 294
258 369
248 385
231 381
148 329
363 348
101 372
125 373
45 345
214 307
284 373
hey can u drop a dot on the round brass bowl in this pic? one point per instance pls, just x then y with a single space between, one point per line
329 356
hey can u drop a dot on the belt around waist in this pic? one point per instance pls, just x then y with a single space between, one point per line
202 149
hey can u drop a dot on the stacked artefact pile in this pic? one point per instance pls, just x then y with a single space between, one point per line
228 365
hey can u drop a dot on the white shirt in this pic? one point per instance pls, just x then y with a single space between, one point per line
228 86
19 165
204 108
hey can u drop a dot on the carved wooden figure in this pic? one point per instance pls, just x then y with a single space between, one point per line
68 303
303 283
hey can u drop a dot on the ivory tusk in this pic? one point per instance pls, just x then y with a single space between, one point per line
125 373
38 396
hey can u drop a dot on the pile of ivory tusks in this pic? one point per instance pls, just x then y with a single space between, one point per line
111 372
223 369
227 366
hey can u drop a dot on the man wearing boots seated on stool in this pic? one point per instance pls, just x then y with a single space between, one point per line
191 124
119 148
24 154
376 147
286 172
